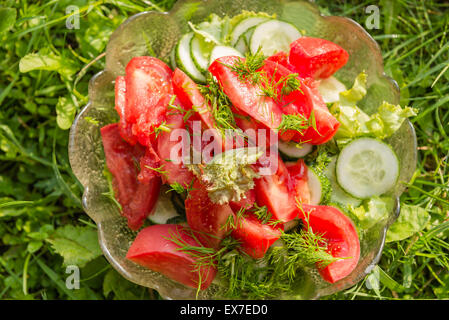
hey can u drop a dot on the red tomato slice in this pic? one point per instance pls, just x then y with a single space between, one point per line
341 236
298 175
282 58
247 202
153 249
317 58
206 217
120 106
245 96
326 124
175 171
137 199
148 92
190 96
274 192
298 102
148 163
255 237
253 130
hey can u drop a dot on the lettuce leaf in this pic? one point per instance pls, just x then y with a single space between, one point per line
373 211
354 122
388 119
213 31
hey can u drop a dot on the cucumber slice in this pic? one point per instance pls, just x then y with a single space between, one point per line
173 59
223 51
200 51
367 167
244 26
338 195
164 209
243 43
273 36
330 89
184 59
319 186
293 150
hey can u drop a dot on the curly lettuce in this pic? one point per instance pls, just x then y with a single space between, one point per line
354 122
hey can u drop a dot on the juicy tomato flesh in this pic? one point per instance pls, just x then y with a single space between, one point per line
316 58
245 96
120 107
169 150
247 202
190 96
299 180
206 217
136 198
148 92
153 249
297 102
341 237
325 125
255 237
274 191
282 58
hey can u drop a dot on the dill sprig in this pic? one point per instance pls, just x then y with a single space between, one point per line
158 170
173 106
248 68
219 103
163 127
264 216
179 188
110 193
297 122
305 248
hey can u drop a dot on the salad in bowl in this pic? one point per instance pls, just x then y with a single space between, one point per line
250 158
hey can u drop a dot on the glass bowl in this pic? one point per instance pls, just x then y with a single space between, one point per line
152 33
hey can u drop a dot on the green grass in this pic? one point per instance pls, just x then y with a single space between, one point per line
40 197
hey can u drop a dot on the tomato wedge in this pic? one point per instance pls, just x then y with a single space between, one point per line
190 96
317 58
326 125
246 97
282 58
153 249
148 92
341 236
255 236
148 163
120 107
274 191
297 102
175 171
136 198
247 202
298 176
206 217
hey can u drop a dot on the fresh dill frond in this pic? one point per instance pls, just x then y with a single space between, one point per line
173 106
177 187
110 193
305 248
158 170
248 68
163 127
219 103
264 216
295 122
290 83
